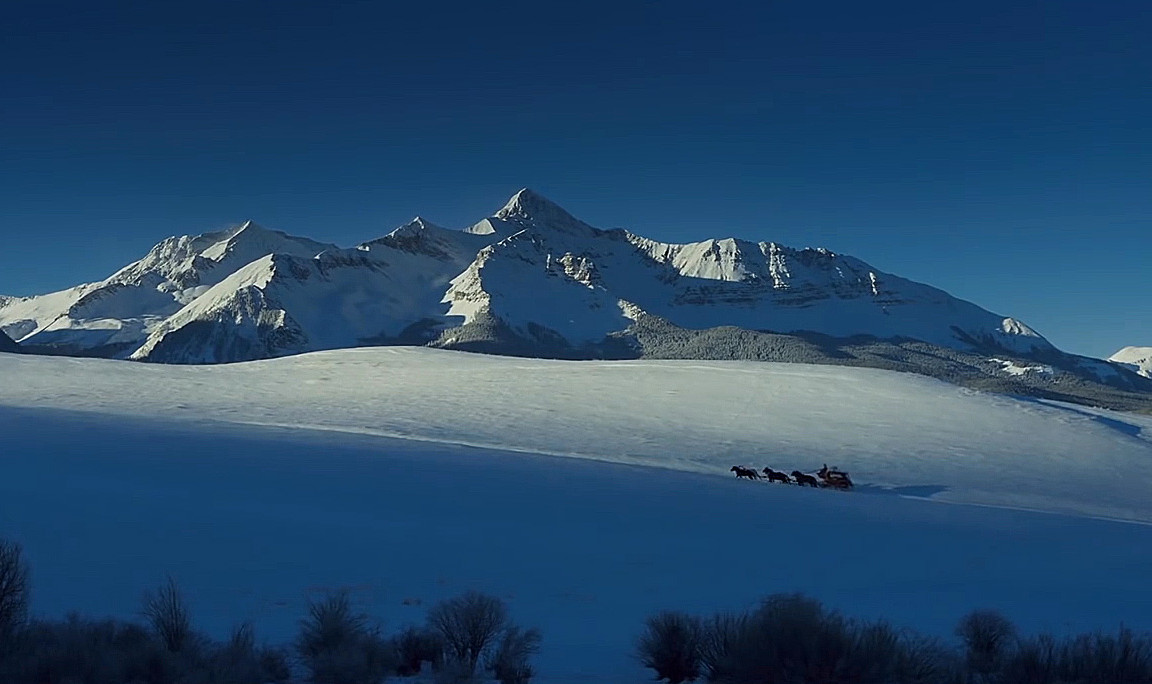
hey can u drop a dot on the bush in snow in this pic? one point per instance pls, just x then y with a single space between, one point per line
453 671
167 614
336 645
1108 659
413 647
240 661
94 652
14 588
1099 659
113 652
468 625
882 654
670 645
1033 661
791 638
986 635
717 638
509 661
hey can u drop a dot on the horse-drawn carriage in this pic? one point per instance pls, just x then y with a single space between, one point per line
825 477
834 478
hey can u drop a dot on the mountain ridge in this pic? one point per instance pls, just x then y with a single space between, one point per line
531 280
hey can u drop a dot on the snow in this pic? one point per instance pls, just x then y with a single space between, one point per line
1016 368
588 494
531 265
888 429
129 305
1138 359
280 304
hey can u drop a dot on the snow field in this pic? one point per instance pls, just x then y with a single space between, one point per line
600 494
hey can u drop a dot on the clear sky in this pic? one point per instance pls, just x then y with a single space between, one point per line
999 150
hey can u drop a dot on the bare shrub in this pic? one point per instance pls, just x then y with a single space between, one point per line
453 671
717 638
928 661
339 646
509 661
670 645
14 589
414 647
874 653
78 650
167 614
790 637
468 624
240 661
1033 661
1106 659
986 635
93 652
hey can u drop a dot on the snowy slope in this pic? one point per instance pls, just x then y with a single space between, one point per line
889 429
153 470
1138 359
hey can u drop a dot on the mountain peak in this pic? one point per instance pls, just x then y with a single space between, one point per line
529 204
248 226
414 227
421 223
528 210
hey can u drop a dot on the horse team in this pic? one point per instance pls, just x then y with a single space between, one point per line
828 477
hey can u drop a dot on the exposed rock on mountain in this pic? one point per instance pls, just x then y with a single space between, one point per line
534 280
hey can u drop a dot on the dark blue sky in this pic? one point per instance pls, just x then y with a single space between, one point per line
999 150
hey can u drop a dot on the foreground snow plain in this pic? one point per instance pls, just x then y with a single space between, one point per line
410 475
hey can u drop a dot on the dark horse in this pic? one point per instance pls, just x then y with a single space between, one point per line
776 476
805 479
741 471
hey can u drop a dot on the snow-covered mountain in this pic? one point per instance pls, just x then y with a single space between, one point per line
384 292
529 280
114 316
1138 359
554 279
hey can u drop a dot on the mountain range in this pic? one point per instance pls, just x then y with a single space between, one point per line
533 280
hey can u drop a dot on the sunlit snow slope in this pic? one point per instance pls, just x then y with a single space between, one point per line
890 430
